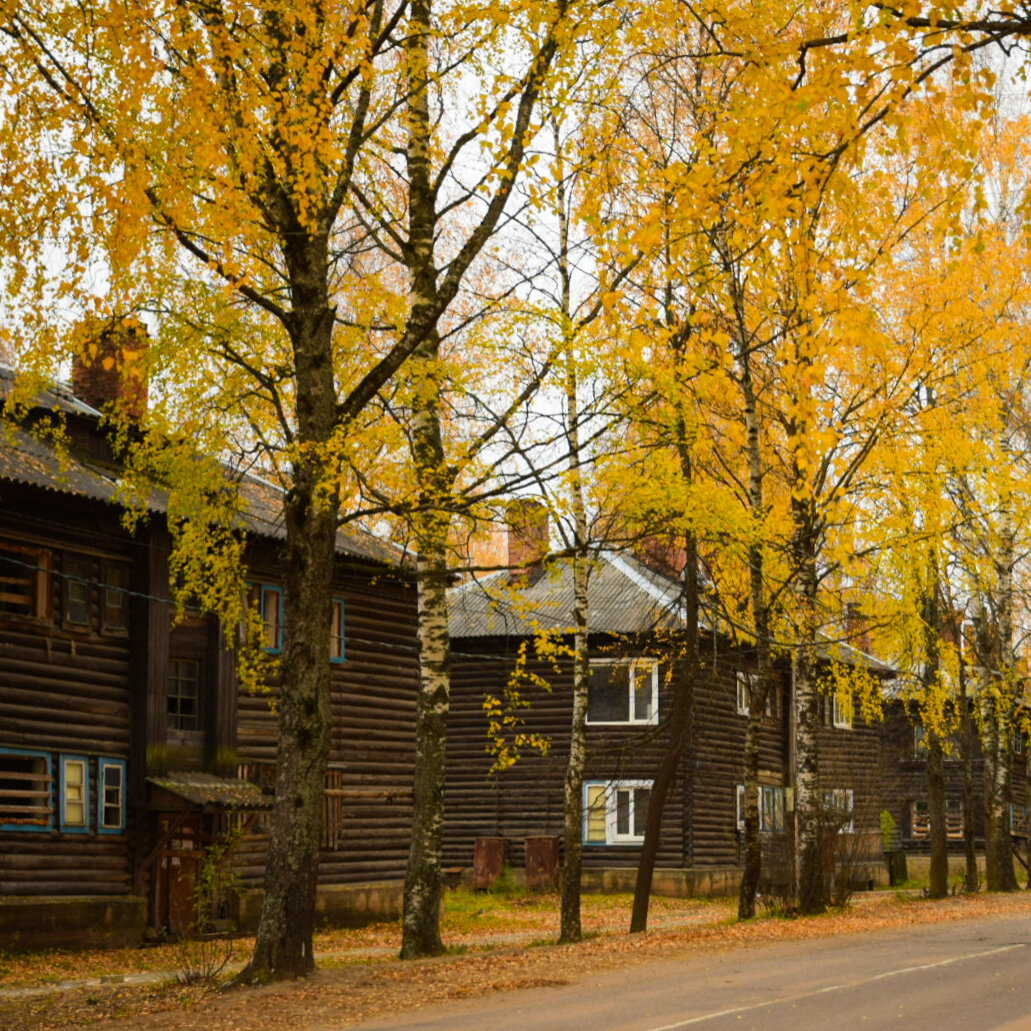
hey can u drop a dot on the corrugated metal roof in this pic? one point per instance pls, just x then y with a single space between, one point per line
25 459
28 459
58 397
207 789
625 597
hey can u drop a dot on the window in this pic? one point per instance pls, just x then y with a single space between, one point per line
771 809
271 602
24 581
747 683
920 819
1018 742
26 791
837 806
1018 819
615 811
333 809
840 716
114 609
623 691
74 793
183 694
78 575
336 631
111 796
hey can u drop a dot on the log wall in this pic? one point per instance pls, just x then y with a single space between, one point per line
527 799
64 690
374 694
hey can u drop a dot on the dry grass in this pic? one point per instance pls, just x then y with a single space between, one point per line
348 994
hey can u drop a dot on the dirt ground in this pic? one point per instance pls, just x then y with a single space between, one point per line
353 985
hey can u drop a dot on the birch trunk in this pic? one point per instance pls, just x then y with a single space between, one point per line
420 934
812 890
761 625
570 929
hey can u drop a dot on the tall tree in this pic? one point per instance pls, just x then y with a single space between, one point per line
221 166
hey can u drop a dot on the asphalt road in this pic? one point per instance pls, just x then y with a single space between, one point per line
965 976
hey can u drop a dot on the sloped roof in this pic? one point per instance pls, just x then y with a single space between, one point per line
58 397
625 597
207 789
28 459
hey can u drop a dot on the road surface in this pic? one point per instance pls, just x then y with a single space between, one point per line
964 976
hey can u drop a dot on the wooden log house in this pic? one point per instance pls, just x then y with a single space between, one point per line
126 745
634 611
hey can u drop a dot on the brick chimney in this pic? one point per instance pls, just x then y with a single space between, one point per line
857 627
667 557
528 539
109 367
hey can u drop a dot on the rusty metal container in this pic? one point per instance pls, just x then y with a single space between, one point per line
488 858
542 860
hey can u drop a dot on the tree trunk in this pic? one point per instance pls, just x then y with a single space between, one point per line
283 947
934 711
761 626
966 740
995 647
685 675
938 886
570 929
420 934
572 866
811 886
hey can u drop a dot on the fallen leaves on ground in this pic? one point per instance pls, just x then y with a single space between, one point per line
341 995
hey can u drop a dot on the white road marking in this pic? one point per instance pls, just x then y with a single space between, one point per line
832 988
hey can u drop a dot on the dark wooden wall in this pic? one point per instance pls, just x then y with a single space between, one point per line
86 692
715 764
374 696
906 779
63 690
527 799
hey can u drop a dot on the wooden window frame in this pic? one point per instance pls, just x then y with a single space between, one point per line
103 765
122 591
41 560
33 826
632 666
66 826
610 790
743 681
264 592
838 718
830 799
338 643
70 578
198 680
777 797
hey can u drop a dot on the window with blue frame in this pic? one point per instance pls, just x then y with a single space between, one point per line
270 601
26 790
74 793
111 796
336 631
